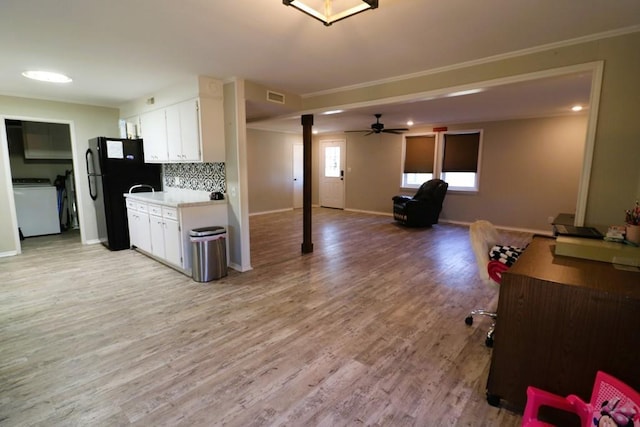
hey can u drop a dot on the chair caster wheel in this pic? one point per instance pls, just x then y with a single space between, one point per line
489 340
468 320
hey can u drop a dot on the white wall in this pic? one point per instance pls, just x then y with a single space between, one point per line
615 171
86 122
530 171
270 170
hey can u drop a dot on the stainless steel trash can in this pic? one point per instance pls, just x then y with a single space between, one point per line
208 253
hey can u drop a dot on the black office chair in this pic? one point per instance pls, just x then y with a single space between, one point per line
423 209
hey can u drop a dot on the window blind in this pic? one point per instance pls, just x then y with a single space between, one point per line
461 152
419 153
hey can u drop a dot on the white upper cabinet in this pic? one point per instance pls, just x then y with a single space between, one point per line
182 128
212 129
46 140
183 131
154 136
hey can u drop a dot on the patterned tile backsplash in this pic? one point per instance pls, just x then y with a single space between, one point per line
195 176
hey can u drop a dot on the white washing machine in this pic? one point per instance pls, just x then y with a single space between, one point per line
36 207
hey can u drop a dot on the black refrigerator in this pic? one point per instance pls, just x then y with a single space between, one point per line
114 165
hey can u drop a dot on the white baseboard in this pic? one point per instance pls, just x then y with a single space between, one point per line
501 227
92 242
8 253
370 212
270 212
239 268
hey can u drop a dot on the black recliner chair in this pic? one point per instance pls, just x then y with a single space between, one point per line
423 209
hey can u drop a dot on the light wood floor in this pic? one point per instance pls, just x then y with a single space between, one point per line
366 330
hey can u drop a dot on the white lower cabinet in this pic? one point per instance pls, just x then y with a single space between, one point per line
163 231
157 236
172 246
138 221
165 234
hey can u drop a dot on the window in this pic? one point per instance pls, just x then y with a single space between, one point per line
451 156
332 162
418 160
460 160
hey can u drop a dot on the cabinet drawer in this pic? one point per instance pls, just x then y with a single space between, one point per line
142 207
168 212
131 204
155 210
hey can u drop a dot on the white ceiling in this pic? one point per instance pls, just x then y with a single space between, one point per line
119 50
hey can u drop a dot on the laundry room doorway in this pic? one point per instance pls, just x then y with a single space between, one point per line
43 180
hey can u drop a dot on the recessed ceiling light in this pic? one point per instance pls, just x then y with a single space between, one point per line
46 76
326 113
315 131
576 108
410 123
464 92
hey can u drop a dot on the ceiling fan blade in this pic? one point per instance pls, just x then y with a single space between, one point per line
395 131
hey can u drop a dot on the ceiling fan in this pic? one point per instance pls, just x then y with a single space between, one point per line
378 127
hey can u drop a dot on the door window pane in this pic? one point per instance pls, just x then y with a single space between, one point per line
332 162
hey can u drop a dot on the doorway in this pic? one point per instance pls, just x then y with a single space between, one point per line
40 166
332 161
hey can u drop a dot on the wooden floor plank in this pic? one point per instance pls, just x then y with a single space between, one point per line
366 330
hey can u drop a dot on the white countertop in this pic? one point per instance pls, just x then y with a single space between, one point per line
175 199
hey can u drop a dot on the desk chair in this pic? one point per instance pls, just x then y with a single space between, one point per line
484 236
613 403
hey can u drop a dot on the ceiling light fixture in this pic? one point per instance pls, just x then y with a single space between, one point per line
464 92
410 123
47 76
328 113
576 108
326 16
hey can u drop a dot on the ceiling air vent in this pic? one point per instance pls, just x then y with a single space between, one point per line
276 97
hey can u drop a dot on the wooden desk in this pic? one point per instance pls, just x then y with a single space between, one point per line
560 319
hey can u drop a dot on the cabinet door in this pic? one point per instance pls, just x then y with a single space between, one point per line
212 129
133 222
174 134
46 140
154 136
183 131
143 232
190 130
156 229
172 242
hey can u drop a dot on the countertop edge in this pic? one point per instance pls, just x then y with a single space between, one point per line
162 198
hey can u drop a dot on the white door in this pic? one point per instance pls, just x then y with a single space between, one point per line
298 175
332 161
